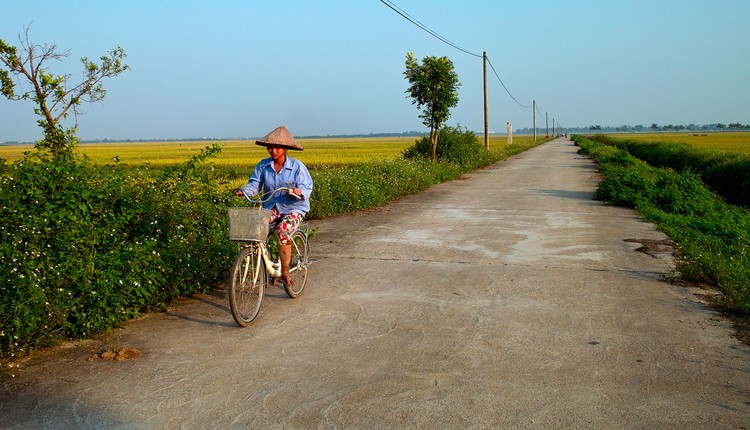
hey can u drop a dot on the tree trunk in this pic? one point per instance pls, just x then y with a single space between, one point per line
433 142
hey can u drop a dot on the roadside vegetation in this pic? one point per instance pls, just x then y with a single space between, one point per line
724 167
351 188
711 235
89 246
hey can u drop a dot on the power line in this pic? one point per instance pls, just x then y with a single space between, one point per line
506 88
414 21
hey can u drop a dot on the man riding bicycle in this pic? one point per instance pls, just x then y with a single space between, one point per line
281 171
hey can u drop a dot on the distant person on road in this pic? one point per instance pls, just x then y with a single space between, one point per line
282 171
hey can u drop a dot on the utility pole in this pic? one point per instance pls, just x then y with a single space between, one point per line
486 120
533 115
546 123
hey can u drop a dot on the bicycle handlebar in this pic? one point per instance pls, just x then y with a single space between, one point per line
262 198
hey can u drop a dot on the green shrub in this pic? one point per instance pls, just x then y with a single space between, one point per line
625 186
85 248
726 173
454 145
352 188
682 193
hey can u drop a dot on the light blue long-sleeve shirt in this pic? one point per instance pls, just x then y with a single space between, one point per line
293 174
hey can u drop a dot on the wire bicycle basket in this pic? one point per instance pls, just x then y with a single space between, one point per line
248 223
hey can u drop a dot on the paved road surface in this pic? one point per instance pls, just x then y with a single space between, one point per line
505 299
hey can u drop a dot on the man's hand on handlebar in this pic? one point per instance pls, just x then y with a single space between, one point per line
296 193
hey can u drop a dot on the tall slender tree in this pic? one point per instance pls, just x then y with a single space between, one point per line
434 89
54 96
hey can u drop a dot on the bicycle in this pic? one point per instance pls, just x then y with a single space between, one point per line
255 268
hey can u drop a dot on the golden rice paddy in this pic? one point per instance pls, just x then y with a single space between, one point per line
329 152
735 141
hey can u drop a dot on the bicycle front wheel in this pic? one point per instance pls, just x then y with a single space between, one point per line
300 258
249 280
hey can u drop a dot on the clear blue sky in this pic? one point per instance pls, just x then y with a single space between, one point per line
240 68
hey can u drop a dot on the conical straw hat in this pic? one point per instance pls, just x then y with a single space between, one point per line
280 137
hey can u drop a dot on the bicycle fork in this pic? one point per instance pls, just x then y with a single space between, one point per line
256 270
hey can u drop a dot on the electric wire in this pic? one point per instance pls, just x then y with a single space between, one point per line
416 22
537 109
503 84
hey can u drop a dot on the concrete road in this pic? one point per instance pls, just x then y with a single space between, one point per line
505 299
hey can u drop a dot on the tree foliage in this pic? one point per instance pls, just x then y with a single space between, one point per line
434 89
455 144
54 95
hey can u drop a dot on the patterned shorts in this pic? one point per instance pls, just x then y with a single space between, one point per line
284 225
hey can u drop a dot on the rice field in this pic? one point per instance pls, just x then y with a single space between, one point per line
733 141
234 153
241 154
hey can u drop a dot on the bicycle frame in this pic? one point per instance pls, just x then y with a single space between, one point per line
272 266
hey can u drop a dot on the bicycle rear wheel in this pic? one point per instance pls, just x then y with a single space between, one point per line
300 258
249 280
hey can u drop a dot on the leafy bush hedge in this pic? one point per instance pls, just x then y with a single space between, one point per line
352 188
713 237
726 173
85 248
454 145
